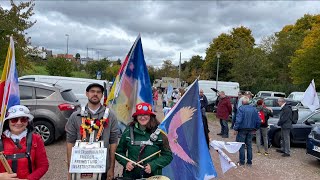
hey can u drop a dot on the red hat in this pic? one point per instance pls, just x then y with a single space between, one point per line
143 108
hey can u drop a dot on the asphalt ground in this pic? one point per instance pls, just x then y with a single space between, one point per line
298 166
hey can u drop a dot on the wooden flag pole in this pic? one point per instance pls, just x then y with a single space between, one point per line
5 163
129 160
149 156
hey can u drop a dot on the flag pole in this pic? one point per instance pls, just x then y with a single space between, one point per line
8 61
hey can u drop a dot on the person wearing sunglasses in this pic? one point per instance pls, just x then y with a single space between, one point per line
140 140
23 149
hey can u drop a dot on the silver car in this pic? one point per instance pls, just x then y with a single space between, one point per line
51 106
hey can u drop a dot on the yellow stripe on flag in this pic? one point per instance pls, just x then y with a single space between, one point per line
7 63
113 89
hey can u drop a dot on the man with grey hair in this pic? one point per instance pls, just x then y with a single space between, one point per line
247 121
285 122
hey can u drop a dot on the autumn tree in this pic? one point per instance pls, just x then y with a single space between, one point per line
305 64
229 45
15 21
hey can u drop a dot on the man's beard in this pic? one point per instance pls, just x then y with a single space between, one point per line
93 101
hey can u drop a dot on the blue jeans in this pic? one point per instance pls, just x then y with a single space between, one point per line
224 127
246 137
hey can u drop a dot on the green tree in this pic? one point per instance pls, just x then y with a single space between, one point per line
152 73
229 45
59 67
77 56
92 67
190 70
168 69
16 21
112 71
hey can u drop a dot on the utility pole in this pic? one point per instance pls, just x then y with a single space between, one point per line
217 77
67 43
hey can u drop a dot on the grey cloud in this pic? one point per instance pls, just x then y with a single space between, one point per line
187 26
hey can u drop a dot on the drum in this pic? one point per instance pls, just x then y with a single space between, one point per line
122 178
158 178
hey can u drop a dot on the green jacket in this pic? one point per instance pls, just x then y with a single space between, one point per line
156 162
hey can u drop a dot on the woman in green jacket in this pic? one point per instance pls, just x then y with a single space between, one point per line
140 140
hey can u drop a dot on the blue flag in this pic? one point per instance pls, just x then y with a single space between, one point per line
134 86
184 128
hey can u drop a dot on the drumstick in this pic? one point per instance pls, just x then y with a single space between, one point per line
149 157
129 160
5 163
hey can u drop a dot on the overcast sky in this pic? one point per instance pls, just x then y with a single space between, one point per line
166 28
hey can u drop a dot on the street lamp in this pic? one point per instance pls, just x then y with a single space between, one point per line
67 42
218 54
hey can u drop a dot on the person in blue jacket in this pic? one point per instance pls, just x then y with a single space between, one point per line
247 122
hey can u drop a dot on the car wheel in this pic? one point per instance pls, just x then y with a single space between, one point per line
277 139
45 130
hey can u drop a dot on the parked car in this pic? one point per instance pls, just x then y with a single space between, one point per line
298 96
302 113
272 102
50 105
264 94
313 143
78 85
299 132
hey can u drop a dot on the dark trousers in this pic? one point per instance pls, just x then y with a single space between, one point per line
285 143
164 104
224 127
233 120
246 137
205 125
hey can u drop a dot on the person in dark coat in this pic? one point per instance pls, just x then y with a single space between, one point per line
224 109
285 122
204 104
235 109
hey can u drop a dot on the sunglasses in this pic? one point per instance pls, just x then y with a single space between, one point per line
22 120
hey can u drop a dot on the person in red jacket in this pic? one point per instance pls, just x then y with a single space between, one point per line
23 149
224 109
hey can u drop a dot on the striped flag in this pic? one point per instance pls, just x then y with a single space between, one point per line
116 82
134 85
9 88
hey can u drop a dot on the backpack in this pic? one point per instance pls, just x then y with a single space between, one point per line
262 116
17 156
295 115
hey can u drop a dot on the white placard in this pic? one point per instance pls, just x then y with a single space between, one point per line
88 160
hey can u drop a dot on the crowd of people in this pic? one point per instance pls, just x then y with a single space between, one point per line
250 119
143 150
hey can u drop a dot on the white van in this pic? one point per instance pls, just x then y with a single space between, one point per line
263 94
78 85
231 89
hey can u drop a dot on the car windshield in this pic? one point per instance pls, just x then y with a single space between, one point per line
279 95
69 96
